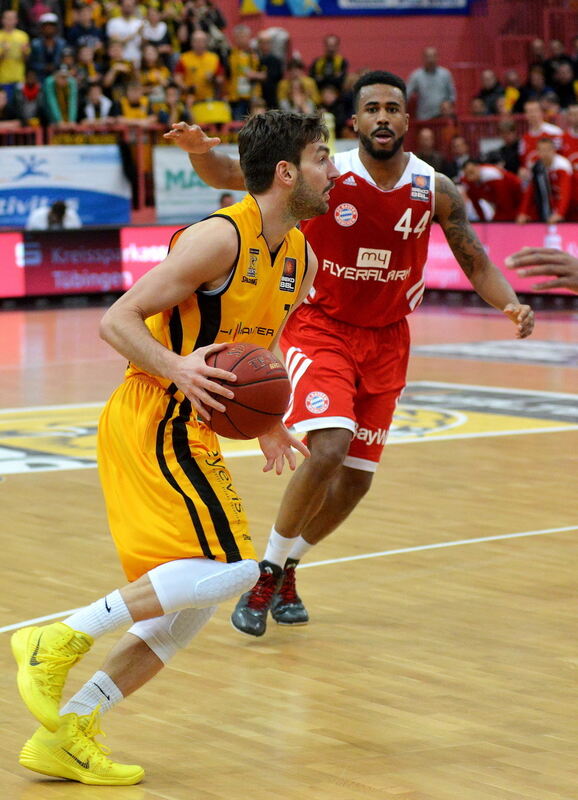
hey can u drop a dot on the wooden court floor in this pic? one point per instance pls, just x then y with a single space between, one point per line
444 668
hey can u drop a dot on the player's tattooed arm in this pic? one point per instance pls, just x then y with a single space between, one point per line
451 215
484 276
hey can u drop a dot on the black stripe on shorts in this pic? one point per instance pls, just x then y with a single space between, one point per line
173 482
202 485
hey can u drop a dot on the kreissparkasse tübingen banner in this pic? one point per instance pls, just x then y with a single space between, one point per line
332 8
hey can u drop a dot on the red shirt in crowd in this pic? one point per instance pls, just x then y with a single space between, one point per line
498 187
529 142
570 151
560 177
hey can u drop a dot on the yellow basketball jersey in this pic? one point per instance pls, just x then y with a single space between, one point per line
251 304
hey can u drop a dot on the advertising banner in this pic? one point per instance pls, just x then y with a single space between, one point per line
334 8
37 263
181 197
499 240
81 262
88 178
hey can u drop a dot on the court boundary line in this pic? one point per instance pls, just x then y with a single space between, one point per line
344 559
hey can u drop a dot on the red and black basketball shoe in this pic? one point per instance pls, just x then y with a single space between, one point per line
250 614
287 607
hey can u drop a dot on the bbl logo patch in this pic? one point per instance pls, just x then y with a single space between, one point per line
287 283
420 188
317 402
346 215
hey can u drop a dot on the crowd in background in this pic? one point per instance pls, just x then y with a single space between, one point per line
166 61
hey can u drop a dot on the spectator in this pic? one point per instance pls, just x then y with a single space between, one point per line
154 75
514 92
508 155
557 57
331 67
31 100
155 31
332 103
563 84
119 73
226 199
61 97
30 11
46 49
570 151
433 85
537 54
202 15
460 154
574 56
14 49
497 187
536 86
84 33
550 105
258 106
425 149
86 71
134 106
270 69
127 30
10 114
199 68
172 109
537 129
547 196
243 72
97 106
297 91
58 216
490 91
478 107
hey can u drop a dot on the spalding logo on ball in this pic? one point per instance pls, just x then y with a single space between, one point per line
262 391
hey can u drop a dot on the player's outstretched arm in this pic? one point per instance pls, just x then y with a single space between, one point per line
215 168
203 255
545 261
486 278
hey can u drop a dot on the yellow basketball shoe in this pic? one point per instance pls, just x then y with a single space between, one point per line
72 753
44 656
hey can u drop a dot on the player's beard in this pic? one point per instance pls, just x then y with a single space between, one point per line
380 155
305 203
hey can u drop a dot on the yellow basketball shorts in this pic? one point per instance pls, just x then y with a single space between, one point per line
168 491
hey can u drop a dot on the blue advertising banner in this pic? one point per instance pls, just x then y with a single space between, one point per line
333 8
89 178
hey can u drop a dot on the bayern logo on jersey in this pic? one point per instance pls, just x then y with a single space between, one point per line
317 402
346 215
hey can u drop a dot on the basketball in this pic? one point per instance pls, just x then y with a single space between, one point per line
262 391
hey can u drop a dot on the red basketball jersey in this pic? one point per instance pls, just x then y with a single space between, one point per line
372 244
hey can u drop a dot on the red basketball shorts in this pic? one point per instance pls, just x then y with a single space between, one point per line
344 376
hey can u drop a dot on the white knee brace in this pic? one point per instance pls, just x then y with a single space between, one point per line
200 582
166 635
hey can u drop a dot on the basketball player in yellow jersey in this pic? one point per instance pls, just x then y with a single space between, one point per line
178 526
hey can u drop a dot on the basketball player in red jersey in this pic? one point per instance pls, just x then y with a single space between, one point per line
347 349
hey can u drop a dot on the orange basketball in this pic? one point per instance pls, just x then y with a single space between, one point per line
262 391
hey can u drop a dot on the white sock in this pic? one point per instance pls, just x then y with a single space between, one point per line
300 547
100 690
278 548
107 614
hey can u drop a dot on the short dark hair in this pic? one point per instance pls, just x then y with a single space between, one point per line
275 136
375 77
